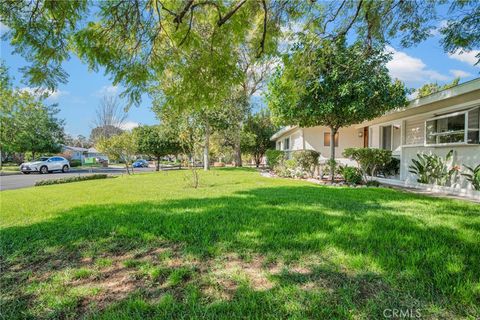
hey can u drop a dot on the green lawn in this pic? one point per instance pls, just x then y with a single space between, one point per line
148 246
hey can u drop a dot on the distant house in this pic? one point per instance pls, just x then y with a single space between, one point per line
443 121
78 153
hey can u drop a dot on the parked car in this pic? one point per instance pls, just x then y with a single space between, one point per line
46 165
140 164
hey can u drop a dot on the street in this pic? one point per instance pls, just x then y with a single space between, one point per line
18 181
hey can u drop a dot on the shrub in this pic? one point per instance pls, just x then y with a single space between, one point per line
289 169
70 179
391 168
473 176
75 163
431 168
307 160
274 157
351 175
369 159
373 183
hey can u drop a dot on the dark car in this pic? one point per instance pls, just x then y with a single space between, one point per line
140 164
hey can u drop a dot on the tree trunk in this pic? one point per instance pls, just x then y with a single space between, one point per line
206 148
238 151
33 155
126 166
1 155
333 132
158 163
238 155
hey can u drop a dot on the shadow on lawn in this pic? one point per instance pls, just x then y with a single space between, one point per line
399 250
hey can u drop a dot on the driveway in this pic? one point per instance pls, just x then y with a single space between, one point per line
18 181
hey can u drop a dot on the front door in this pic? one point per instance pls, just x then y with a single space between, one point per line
365 137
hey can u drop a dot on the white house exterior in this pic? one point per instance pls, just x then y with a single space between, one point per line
443 121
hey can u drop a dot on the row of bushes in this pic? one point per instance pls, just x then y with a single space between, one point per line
70 179
304 163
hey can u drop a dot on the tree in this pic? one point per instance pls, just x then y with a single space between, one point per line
256 133
110 117
133 39
156 141
121 147
332 84
26 123
429 88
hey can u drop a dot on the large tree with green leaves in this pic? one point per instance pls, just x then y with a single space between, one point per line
26 123
256 133
134 39
333 84
156 141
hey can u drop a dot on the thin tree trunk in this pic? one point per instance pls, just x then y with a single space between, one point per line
206 149
158 163
333 132
238 151
1 155
126 166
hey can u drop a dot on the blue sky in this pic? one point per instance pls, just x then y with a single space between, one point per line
79 98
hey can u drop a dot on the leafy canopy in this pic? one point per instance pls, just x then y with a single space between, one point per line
333 84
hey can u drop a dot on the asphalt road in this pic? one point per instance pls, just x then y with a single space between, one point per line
18 181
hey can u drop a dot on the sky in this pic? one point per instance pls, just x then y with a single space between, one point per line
78 99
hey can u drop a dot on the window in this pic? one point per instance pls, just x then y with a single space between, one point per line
386 137
326 139
286 144
460 127
279 145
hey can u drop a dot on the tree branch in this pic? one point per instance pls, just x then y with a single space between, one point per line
264 34
230 13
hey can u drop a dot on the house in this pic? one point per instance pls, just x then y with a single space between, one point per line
78 153
443 121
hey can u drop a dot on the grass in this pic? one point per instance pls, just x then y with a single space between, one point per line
240 246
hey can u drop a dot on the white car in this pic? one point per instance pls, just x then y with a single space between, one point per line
46 165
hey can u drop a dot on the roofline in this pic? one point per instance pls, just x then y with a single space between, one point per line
458 90
282 131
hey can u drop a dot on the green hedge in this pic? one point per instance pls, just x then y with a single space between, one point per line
273 157
75 163
70 179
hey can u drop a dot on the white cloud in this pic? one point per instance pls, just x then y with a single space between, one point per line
107 91
129 125
411 69
459 73
3 28
52 95
466 56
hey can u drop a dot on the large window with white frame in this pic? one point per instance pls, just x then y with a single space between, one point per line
460 127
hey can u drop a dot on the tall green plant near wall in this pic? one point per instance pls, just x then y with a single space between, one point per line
434 169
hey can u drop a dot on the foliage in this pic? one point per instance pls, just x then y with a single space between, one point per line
369 159
47 182
430 88
75 163
331 166
433 169
333 84
26 123
241 227
473 176
134 40
274 157
289 169
373 183
307 160
156 141
121 147
391 168
256 133
352 175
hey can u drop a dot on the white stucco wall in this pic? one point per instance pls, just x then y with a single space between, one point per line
464 155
